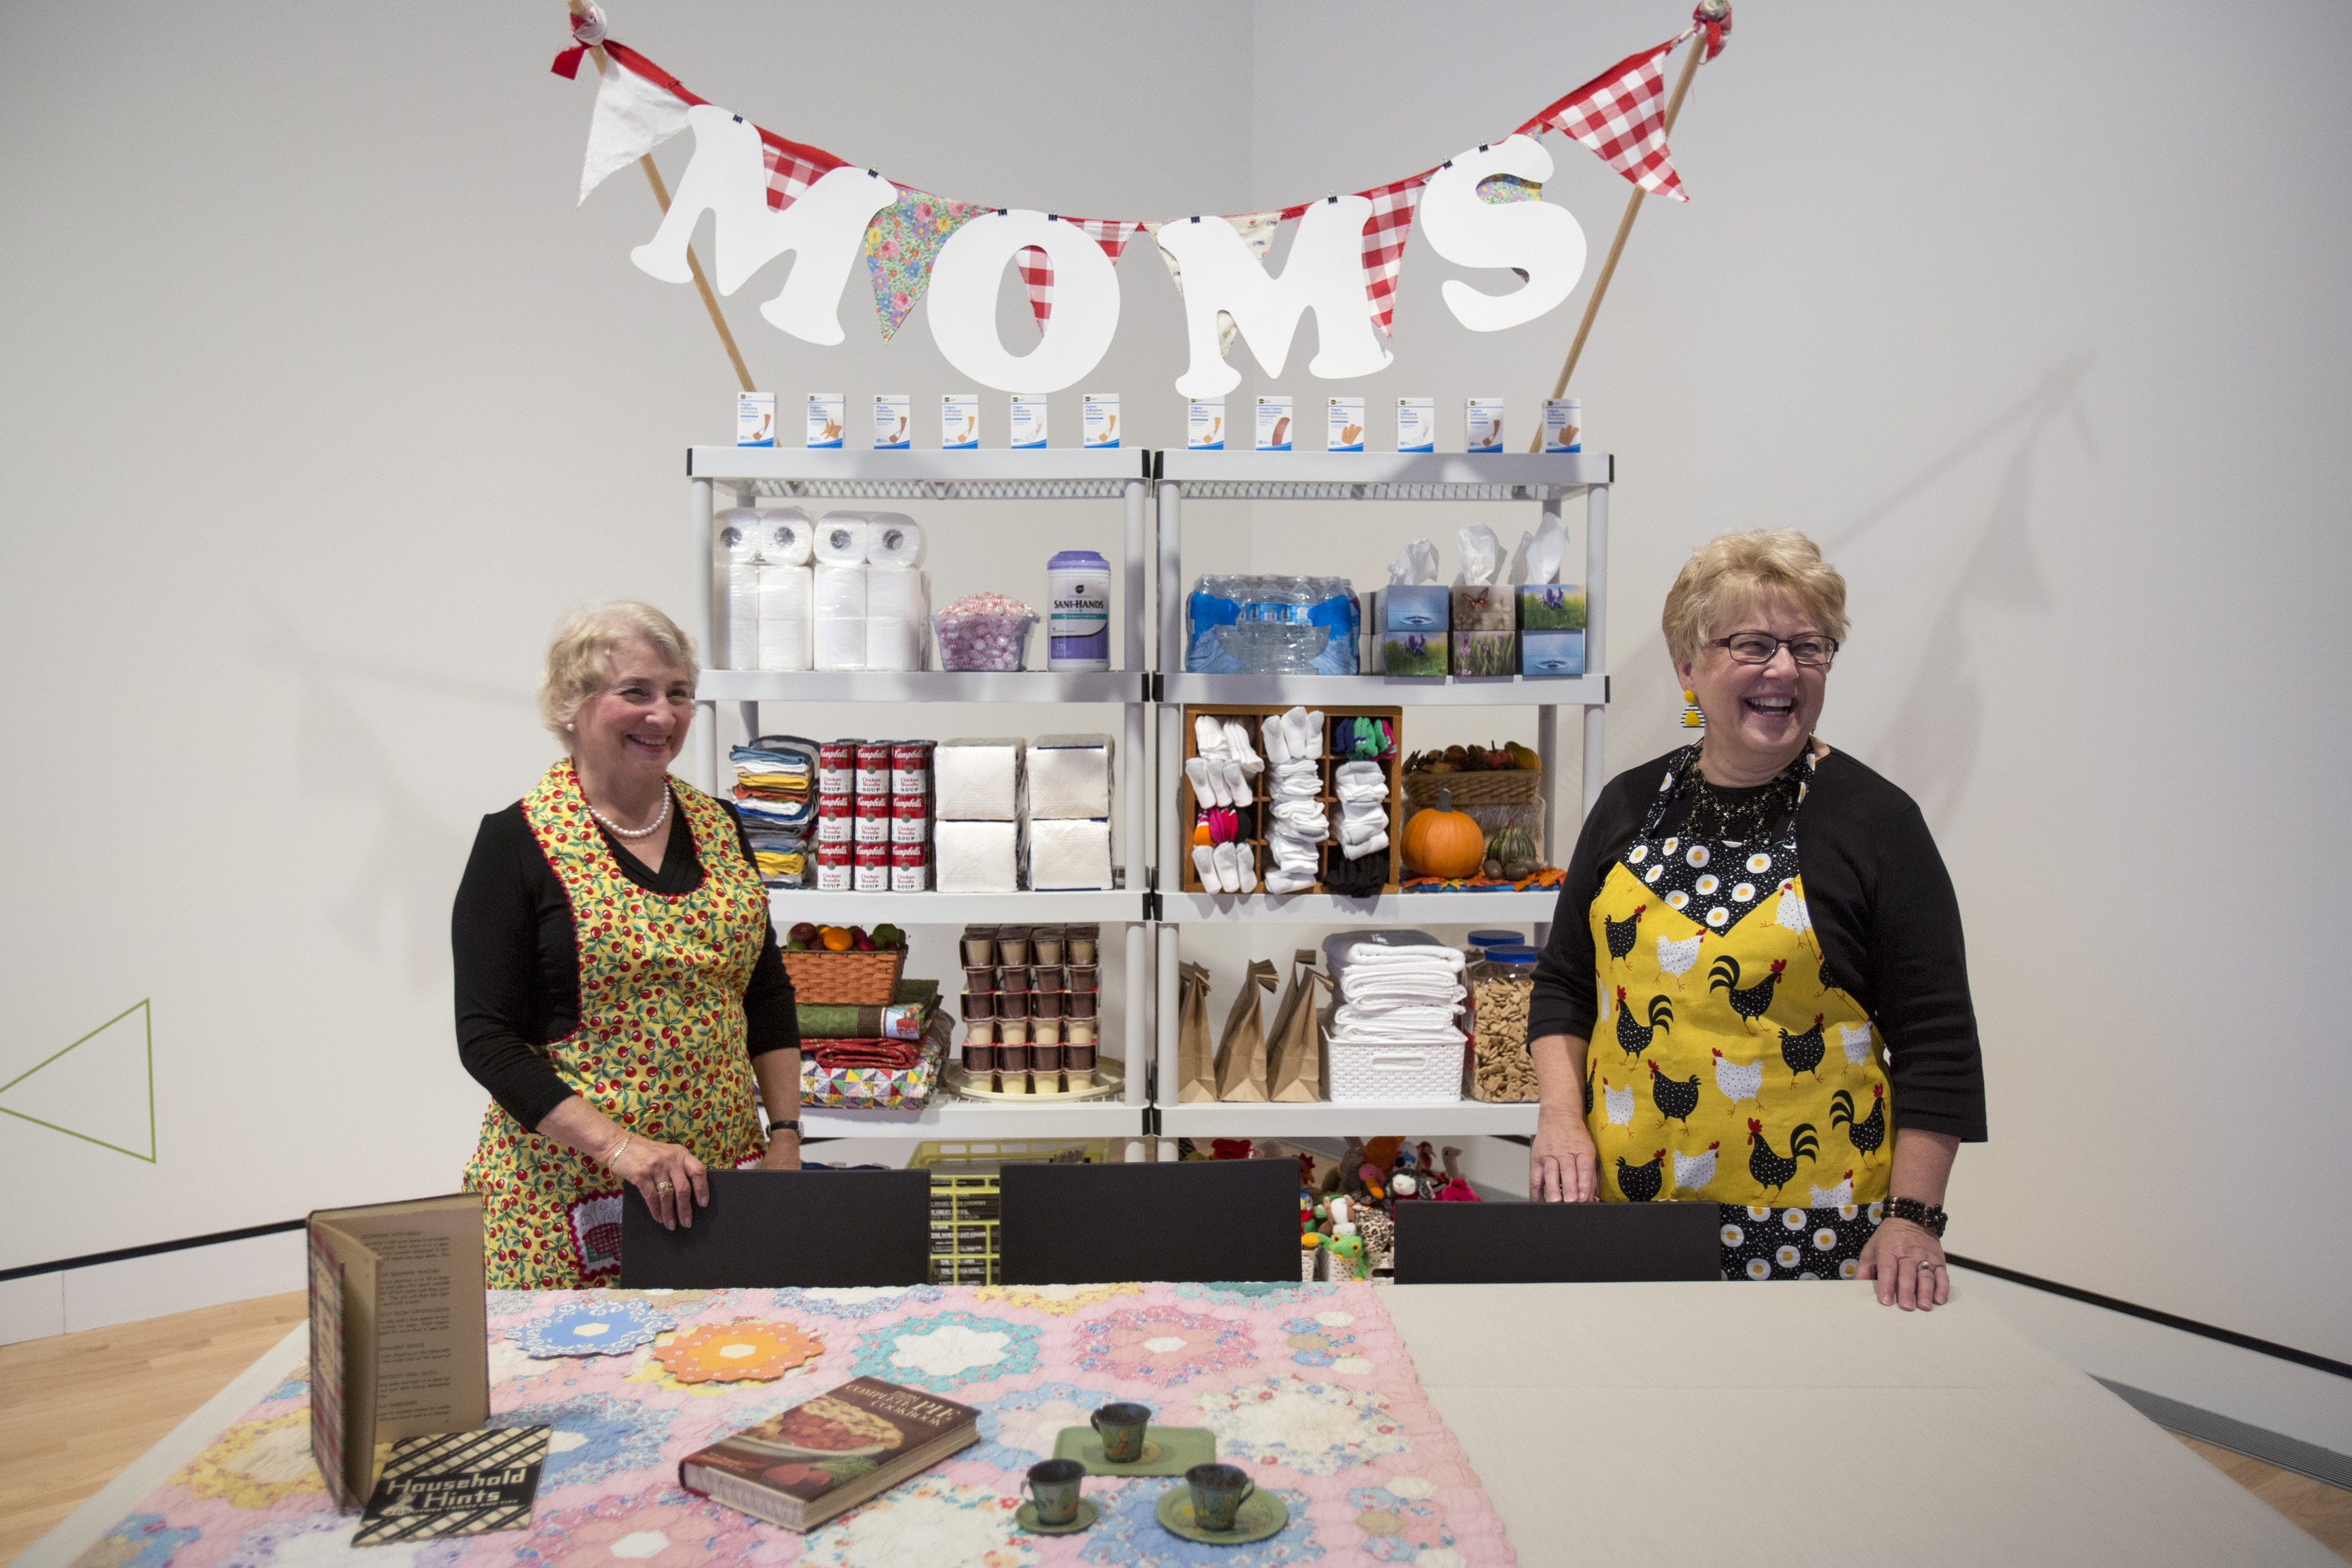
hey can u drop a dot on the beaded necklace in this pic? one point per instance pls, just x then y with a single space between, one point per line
1712 816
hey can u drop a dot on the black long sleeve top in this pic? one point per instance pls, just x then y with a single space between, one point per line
1880 903
518 961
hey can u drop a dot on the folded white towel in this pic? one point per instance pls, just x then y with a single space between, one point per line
1376 952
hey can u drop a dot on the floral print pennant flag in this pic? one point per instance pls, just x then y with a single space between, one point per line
901 242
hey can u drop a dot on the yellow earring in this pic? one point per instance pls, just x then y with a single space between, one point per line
1692 718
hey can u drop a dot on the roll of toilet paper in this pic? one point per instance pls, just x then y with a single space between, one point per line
786 537
976 856
1069 856
897 594
841 645
840 592
785 645
894 644
842 541
743 615
787 594
737 531
893 539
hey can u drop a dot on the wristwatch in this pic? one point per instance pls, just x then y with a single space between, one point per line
792 1127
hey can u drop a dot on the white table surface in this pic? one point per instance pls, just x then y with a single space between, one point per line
1733 1425
1722 1425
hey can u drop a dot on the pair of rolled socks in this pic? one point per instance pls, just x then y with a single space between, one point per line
1218 783
1224 739
1280 881
1359 782
1225 867
1297 735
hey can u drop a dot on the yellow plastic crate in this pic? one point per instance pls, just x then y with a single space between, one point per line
965 1201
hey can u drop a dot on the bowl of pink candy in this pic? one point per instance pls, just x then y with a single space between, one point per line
983 631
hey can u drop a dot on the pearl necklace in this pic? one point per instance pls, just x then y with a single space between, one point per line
620 832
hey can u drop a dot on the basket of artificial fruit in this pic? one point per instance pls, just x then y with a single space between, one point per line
1496 790
845 966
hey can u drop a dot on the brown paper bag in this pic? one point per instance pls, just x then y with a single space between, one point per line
1196 1068
1240 1055
1295 1052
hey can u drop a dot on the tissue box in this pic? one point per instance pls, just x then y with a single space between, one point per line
1551 607
1486 653
1413 653
1417 607
1484 609
976 857
1551 653
1070 778
977 780
1069 856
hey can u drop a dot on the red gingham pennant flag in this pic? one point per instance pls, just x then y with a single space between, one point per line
1384 238
1621 115
1037 269
793 168
1037 273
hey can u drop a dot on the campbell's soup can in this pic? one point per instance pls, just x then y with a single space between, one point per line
837 768
872 874
834 814
910 818
832 868
871 819
910 768
874 768
911 869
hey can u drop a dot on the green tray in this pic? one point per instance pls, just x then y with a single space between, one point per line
1179 1448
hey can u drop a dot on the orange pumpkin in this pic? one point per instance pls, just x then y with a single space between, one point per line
1442 842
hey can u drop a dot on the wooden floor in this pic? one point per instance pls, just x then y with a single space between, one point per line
77 1408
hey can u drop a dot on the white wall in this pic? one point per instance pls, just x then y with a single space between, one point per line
323 401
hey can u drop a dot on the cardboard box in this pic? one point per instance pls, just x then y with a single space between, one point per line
755 419
1413 653
1344 426
1417 607
1100 420
893 421
1028 422
1489 608
1205 425
1416 425
825 418
1273 422
960 421
1486 652
1551 607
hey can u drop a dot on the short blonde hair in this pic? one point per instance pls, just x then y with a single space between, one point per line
579 659
1732 570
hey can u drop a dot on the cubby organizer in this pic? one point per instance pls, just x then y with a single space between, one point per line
1153 813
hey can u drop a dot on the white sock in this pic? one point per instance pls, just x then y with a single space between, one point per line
1204 862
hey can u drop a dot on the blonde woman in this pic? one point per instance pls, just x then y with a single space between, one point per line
618 985
1756 993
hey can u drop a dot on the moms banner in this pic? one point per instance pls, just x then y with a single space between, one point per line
768 195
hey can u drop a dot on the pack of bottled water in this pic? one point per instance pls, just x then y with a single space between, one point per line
1248 625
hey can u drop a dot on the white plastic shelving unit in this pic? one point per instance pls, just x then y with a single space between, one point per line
746 476
1548 483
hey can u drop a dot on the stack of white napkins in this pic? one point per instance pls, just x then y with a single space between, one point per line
1221 775
1397 994
1296 822
976 842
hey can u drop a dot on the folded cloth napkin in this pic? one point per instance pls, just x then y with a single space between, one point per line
864 1053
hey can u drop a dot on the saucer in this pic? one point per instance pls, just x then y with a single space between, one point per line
1261 1514
1028 1520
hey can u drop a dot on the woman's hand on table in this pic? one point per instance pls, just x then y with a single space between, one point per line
783 1152
1562 1165
666 1175
1907 1261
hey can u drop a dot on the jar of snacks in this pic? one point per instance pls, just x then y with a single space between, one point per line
1502 994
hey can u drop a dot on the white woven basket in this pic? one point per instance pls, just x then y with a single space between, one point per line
1396 1074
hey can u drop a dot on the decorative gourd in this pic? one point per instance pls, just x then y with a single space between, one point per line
1442 842
1510 843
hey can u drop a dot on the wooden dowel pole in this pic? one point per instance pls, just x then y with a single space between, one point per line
693 262
1617 245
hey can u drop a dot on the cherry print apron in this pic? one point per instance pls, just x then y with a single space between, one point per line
1724 1064
659 1048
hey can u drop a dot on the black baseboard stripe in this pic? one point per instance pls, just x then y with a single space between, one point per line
2187 1325
153 1248
2226 1432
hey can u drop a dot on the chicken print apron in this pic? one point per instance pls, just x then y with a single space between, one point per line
659 1048
1724 1064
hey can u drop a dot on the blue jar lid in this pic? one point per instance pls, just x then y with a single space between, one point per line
1497 937
1076 560
1511 954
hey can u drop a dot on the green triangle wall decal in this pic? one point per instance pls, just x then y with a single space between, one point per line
95 1083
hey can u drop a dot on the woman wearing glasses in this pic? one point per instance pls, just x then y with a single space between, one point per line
1756 993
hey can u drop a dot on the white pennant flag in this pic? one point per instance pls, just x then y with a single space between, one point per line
634 116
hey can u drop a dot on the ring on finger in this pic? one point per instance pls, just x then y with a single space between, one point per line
665 1186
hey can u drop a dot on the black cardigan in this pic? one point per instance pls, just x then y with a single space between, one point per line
517 960
1881 903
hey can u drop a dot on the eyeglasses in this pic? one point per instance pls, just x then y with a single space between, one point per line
1757 647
